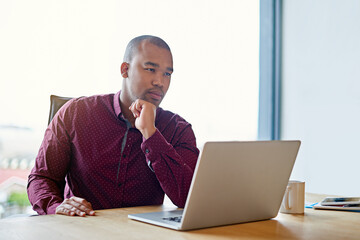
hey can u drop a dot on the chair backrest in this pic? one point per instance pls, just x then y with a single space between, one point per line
56 103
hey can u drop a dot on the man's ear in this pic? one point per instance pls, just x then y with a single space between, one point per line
124 69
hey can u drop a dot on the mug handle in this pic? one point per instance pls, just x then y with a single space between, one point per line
287 202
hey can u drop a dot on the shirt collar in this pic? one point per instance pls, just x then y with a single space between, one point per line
117 107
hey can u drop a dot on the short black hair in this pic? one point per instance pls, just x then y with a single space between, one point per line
133 45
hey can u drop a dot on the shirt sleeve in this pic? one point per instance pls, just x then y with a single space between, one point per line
46 181
173 165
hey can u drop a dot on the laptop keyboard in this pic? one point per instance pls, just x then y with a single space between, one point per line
173 219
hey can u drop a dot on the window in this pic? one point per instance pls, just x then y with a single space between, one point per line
76 48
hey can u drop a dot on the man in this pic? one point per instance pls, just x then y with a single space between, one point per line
117 150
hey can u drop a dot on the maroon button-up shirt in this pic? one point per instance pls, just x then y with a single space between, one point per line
92 150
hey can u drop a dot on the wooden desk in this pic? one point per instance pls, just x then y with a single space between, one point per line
114 224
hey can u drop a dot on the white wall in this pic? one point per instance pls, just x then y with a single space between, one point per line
321 92
75 48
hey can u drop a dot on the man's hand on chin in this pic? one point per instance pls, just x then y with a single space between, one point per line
144 113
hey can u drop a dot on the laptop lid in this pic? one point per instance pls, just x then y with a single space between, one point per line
234 182
239 182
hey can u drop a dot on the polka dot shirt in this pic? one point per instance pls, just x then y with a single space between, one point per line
90 151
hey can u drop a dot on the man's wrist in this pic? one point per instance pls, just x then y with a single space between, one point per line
148 132
52 208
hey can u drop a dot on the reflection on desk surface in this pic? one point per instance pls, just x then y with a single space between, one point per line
114 224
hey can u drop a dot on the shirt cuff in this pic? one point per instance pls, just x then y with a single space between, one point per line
154 146
52 208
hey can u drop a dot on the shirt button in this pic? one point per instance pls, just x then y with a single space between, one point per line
147 151
119 184
149 165
124 156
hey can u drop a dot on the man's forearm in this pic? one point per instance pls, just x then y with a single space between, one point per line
173 165
44 194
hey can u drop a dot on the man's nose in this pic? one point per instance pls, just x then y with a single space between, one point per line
159 79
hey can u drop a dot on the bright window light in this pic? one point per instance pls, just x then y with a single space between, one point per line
75 48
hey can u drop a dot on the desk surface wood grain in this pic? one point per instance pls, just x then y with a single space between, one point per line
114 224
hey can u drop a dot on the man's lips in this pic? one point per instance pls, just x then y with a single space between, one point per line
155 95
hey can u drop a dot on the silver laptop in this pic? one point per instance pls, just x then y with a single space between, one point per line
233 182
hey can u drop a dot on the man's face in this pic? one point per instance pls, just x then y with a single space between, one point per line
149 73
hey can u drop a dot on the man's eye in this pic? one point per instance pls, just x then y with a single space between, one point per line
167 74
150 69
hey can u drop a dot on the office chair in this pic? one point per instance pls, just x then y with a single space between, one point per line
56 103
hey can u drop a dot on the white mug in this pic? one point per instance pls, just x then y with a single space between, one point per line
294 198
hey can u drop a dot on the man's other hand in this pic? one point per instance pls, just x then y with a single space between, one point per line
75 206
144 113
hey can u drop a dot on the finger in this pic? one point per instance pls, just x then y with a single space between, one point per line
77 212
134 109
80 209
81 201
138 104
75 206
86 210
139 107
69 210
64 211
82 205
131 106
